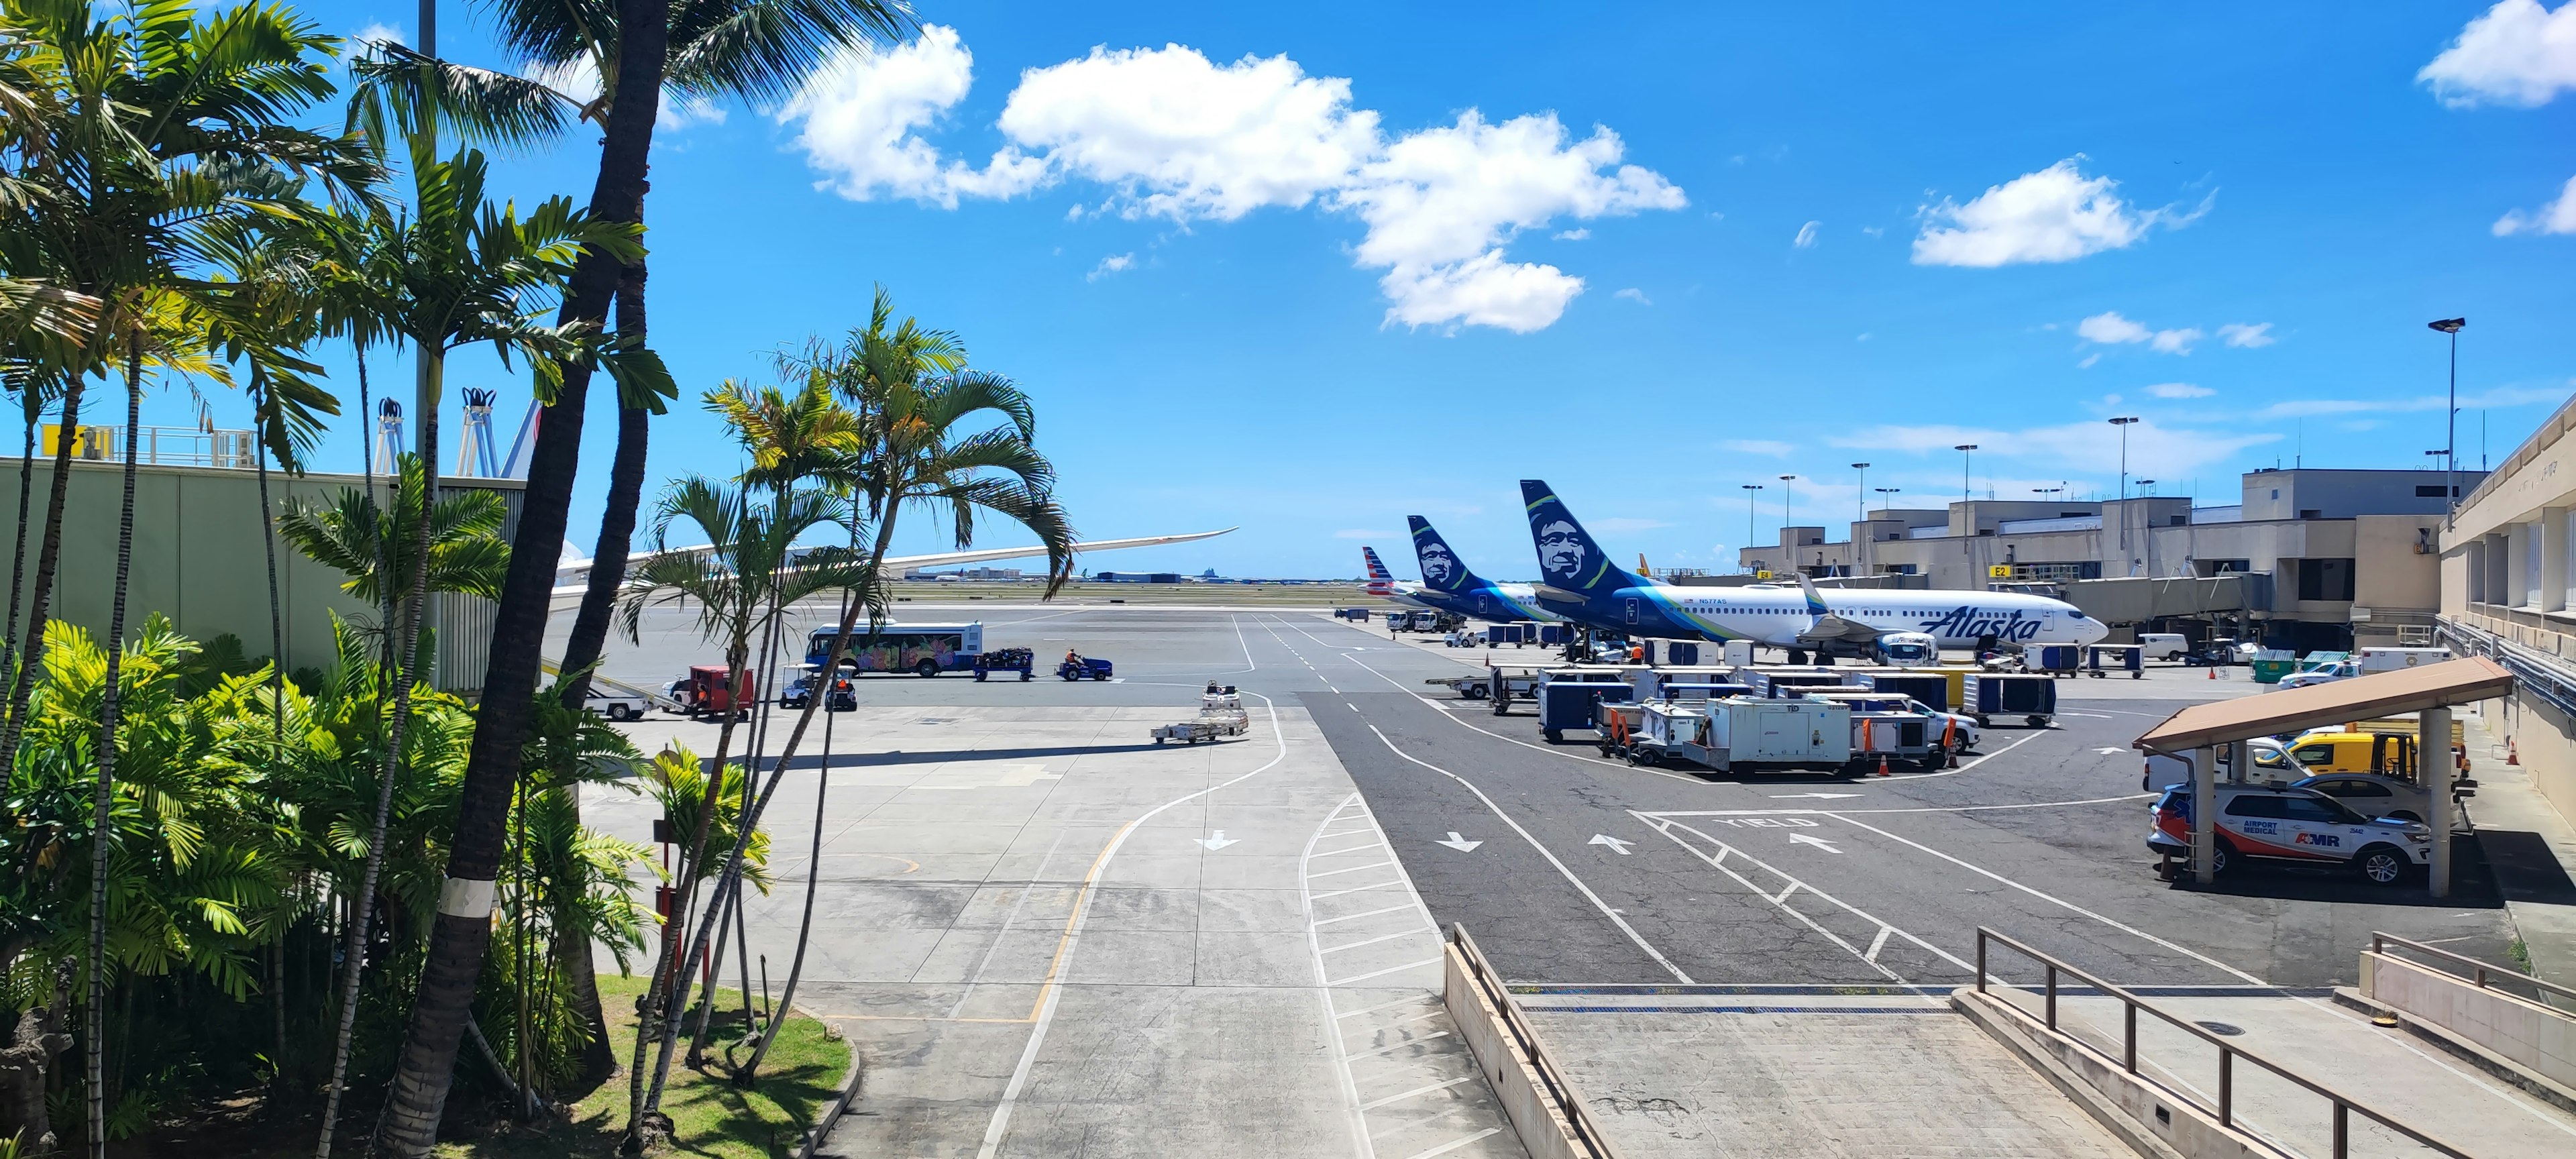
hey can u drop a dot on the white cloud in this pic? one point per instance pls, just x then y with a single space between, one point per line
2175 341
1112 264
2516 53
373 32
2497 399
2556 217
1634 294
1366 534
862 115
2054 215
1178 137
2179 390
2089 360
1440 203
1184 138
1772 447
1874 230
2110 329
2241 334
1806 238
1574 235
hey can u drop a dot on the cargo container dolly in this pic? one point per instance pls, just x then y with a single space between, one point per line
1220 715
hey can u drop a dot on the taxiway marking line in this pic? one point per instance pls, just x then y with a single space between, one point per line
1376 940
1390 1099
1353 869
1543 851
1364 914
1051 992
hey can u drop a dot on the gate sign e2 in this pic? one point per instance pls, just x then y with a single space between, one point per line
1999 571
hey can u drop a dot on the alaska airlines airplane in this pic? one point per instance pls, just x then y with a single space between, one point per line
1448 585
1578 581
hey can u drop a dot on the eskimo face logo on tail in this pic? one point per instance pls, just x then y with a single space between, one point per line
1562 551
1439 568
1967 623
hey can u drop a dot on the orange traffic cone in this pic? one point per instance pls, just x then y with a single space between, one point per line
2213 673
2512 752
1954 758
1882 764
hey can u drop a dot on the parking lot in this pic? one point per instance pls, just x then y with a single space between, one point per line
1588 882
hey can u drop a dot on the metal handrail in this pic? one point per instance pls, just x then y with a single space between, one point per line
2480 971
1560 1089
2344 1105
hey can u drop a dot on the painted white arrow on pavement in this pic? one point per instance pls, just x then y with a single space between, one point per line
1219 841
2108 752
1612 842
1818 842
1458 843
1818 796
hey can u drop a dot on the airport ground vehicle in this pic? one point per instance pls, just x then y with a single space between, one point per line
1359 614
2370 747
1020 660
1220 715
921 649
2296 825
2322 674
613 703
844 698
2103 659
1084 668
2163 769
2166 646
1986 695
705 690
1745 734
2372 795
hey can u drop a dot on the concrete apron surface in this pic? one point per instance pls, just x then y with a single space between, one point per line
1046 935
1761 1071
2388 1070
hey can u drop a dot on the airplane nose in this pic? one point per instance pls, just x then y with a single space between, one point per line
2095 630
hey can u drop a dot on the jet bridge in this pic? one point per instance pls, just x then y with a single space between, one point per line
2136 600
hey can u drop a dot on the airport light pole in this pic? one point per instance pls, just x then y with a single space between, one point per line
2451 422
1749 489
1785 480
1860 498
2124 424
1967 451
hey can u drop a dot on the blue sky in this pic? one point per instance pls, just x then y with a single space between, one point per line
1313 271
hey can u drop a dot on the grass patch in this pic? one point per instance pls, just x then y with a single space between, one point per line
709 1115
2520 954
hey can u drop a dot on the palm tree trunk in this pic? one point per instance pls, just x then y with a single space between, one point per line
276 614
749 1074
590 633
463 930
102 819
768 672
49 556
26 494
731 879
407 643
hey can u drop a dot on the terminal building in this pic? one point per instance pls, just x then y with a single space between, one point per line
2306 558
2508 575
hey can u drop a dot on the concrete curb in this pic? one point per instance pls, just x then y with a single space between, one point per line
2466 1051
821 1131
2081 1083
1543 1127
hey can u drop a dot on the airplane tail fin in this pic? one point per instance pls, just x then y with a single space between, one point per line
1568 557
1442 570
1815 603
1381 582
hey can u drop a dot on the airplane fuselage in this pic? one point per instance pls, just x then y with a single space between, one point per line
1781 616
1494 602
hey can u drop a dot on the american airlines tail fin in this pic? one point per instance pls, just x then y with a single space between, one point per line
1381 582
1442 570
1568 558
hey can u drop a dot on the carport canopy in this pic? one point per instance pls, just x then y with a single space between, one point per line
2397 693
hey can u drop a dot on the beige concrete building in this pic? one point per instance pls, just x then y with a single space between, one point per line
2349 555
2505 587
198 559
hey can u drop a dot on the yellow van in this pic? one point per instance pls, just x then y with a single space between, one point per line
2387 753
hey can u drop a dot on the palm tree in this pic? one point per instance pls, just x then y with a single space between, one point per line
758 48
166 123
927 445
737 581
454 270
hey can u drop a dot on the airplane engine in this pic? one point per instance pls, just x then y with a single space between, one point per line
1908 649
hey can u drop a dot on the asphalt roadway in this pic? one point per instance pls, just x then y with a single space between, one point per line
1582 875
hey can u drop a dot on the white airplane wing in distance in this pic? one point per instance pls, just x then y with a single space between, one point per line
567 596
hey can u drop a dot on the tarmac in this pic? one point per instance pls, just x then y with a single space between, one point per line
1048 936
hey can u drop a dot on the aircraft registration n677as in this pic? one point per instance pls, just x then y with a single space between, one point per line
1578 581
1449 585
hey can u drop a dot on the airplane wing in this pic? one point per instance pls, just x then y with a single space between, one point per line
1826 625
567 596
